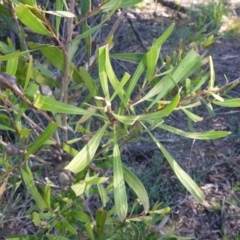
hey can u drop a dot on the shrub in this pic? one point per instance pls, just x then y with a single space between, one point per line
71 127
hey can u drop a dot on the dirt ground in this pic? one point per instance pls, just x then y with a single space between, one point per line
214 164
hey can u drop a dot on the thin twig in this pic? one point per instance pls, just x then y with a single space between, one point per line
138 35
110 34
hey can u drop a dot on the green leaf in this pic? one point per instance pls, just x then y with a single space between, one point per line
85 156
89 230
137 187
21 237
89 82
103 194
129 3
29 93
42 139
12 66
119 87
201 136
28 2
159 42
129 120
101 216
59 7
36 219
186 67
30 20
78 216
229 103
79 188
54 106
57 58
95 179
29 72
30 185
191 115
161 211
61 13
184 178
85 9
102 71
112 77
152 57
68 226
47 195
6 17
18 54
120 196
3 127
136 76
129 57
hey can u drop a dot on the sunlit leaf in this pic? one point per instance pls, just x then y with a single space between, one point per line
30 185
183 177
229 103
50 129
84 157
137 187
54 106
101 216
30 20
120 197
201 136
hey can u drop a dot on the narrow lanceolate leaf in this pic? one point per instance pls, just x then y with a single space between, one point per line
3 127
102 71
101 217
85 156
85 9
159 42
201 136
184 178
61 13
68 226
128 57
137 187
59 7
18 54
120 196
29 72
192 116
54 106
30 20
229 103
30 185
89 230
103 194
42 139
152 57
12 66
185 69
120 86
57 58
129 3
113 78
155 115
